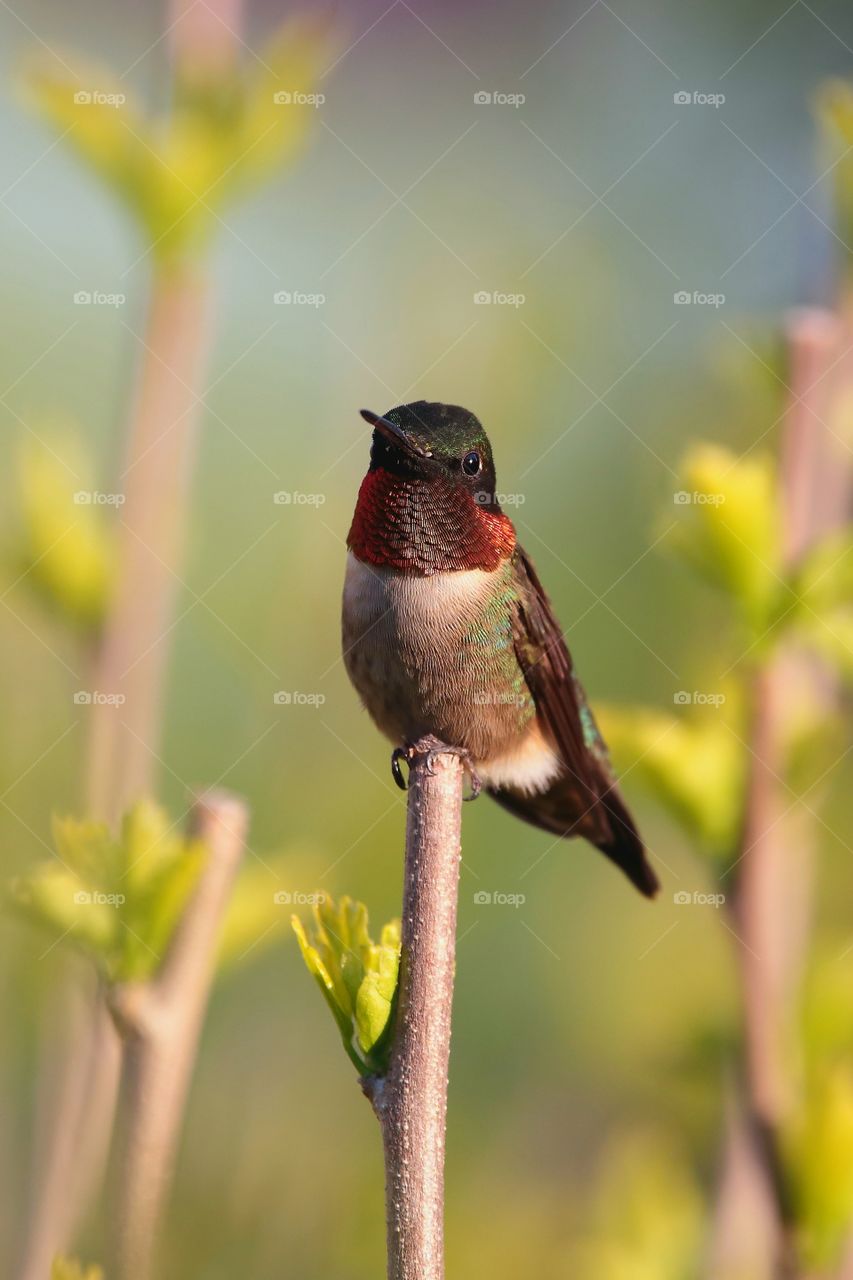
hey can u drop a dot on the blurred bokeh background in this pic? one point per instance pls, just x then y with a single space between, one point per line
591 1028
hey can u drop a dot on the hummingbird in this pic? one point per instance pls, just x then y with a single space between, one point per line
447 631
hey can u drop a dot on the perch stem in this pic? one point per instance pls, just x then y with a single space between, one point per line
410 1101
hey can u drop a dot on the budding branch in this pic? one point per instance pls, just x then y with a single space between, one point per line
410 1100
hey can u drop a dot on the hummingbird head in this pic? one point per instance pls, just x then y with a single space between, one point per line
428 501
435 442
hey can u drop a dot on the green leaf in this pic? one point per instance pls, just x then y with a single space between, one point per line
272 132
819 1152
261 903
66 548
824 577
225 135
814 745
90 108
358 978
694 766
818 1136
87 847
827 1006
831 634
375 997
729 530
118 898
62 903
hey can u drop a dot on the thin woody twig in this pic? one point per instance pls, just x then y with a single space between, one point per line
410 1101
156 482
89 1073
132 659
160 1022
771 894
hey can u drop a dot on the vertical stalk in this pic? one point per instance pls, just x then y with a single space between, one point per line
156 479
160 1022
69 1156
771 893
132 660
411 1100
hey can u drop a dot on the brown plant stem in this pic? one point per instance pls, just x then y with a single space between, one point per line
132 660
68 1157
410 1101
770 898
161 450
160 1022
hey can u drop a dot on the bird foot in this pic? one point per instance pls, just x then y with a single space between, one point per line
431 748
398 755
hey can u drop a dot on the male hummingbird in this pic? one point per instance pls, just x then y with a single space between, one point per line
448 631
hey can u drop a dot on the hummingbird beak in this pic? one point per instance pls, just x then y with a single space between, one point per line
394 435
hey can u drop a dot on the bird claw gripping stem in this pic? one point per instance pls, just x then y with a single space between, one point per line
409 752
397 756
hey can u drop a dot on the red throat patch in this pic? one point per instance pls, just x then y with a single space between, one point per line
426 528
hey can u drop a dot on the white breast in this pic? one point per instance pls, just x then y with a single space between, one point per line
402 633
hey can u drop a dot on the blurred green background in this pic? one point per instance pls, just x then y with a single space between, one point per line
589 1051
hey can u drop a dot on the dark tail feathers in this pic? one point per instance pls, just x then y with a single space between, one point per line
556 811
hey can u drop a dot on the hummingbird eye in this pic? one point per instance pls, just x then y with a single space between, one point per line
471 463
